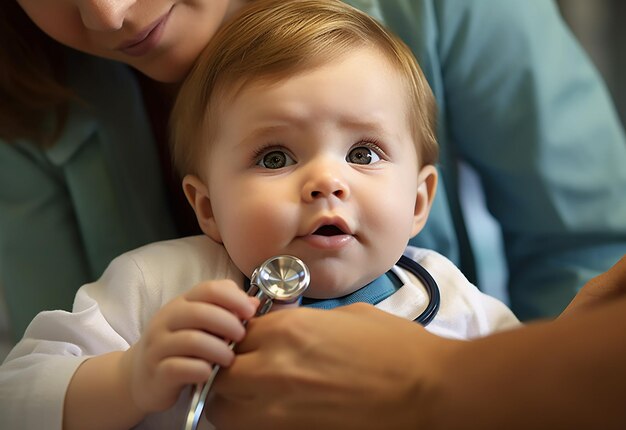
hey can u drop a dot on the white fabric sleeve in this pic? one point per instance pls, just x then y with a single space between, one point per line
36 373
108 315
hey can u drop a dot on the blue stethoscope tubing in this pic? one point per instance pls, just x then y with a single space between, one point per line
432 289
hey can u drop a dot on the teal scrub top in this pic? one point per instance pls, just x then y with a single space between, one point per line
67 211
521 103
518 100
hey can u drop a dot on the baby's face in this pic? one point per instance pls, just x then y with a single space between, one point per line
322 166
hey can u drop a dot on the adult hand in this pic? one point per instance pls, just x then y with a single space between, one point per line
352 367
357 367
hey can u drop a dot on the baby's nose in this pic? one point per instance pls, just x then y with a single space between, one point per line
325 185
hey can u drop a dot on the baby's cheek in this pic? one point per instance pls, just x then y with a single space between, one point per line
256 235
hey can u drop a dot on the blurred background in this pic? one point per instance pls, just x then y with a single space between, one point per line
598 25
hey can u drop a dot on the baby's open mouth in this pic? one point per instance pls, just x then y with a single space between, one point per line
329 230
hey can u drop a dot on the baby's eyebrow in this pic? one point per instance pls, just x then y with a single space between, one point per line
263 132
268 127
359 124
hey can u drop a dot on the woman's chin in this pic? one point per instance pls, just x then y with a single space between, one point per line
166 75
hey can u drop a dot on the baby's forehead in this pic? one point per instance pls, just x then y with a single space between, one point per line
229 86
364 78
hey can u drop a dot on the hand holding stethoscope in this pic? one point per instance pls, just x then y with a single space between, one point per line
283 279
280 279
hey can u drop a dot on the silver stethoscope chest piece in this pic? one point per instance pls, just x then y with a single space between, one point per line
281 279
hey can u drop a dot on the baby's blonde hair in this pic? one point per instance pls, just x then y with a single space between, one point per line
274 39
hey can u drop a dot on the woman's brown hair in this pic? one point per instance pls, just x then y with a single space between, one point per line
32 88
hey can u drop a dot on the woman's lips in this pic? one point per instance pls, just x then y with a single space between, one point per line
147 39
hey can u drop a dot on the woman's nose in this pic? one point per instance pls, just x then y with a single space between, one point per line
324 184
104 15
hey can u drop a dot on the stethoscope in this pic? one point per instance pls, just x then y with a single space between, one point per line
431 287
282 280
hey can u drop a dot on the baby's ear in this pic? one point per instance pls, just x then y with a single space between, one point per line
197 195
426 188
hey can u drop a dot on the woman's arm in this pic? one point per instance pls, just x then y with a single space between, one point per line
356 367
565 374
568 373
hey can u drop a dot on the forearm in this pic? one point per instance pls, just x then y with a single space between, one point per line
564 374
99 396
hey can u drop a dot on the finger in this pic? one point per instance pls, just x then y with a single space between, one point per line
195 344
612 282
176 372
224 293
615 277
207 317
271 328
606 286
288 325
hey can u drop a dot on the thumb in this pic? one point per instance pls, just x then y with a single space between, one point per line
606 286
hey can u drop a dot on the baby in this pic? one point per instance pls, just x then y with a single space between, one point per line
306 129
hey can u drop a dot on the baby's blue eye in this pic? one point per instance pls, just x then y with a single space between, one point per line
362 155
275 160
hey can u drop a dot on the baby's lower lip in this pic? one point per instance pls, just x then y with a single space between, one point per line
334 242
